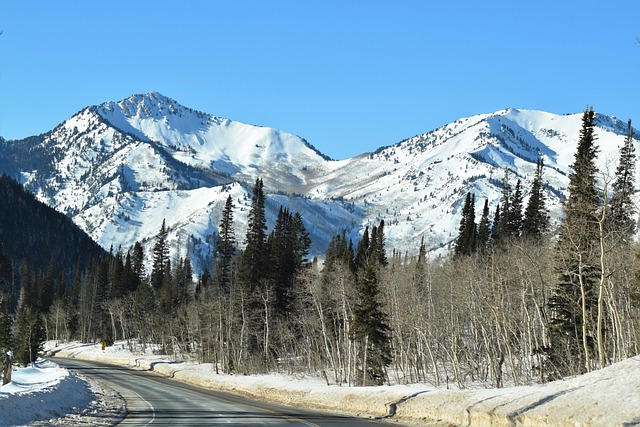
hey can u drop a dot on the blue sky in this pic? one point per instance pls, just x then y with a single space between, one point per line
349 76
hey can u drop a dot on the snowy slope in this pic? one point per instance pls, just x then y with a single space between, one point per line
418 185
205 141
120 168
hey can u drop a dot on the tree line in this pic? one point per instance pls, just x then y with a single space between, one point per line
519 301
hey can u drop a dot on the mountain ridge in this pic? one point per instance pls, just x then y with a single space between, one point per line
119 168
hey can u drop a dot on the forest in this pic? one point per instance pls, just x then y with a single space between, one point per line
519 301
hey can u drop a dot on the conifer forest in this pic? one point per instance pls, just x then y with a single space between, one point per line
519 300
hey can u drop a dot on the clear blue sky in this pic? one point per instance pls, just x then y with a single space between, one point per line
349 76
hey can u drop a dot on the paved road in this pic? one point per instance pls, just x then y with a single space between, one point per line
154 400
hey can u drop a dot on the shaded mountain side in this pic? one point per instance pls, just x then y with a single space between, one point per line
32 231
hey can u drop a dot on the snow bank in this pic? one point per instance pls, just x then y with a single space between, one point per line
610 396
607 397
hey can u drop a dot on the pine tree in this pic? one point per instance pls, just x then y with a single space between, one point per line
622 207
466 241
505 206
253 276
362 250
536 216
379 242
6 324
160 257
289 247
573 299
255 257
484 227
137 262
282 262
301 242
495 228
514 214
371 324
226 246
30 335
339 251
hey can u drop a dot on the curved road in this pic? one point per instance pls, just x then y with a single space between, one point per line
153 400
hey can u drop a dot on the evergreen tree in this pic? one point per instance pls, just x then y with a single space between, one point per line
167 291
289 247
253 276
362 250
379 242
6 324
301 242
370 323
339 251
137 262
255 257
536 216
6 300
160 257
622 207
484 227
30 335
514 214
225 250
495 228
130 279
466 242
573 299
505 206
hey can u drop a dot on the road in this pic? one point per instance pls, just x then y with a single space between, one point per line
152 400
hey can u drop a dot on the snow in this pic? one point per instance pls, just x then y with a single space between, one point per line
45 394
610 396
122 167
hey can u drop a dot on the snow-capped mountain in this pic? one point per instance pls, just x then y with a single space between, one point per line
120 168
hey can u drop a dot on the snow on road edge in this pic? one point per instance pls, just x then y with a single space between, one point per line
47 395
610 396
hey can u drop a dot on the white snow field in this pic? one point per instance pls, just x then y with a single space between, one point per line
607 397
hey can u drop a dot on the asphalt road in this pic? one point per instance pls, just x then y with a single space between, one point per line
156 401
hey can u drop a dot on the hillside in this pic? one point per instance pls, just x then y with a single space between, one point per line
32 231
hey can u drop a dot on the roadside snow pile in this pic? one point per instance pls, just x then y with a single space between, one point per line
610 396
606 397
41 392
46 394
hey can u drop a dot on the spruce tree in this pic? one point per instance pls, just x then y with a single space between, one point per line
160 257
282 261
514 214
137 262
536 216
30 335
495 228
225 250
484 227
370 322
622 207
6 325
573 298
301 242
505 206
255 257
362 250
466 241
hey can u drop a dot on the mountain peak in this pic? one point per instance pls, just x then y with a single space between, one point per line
152 105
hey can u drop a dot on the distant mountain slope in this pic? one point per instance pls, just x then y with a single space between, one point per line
120 168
